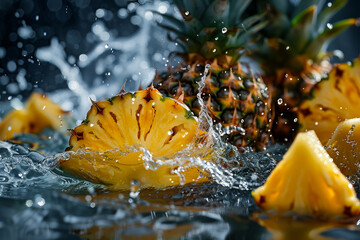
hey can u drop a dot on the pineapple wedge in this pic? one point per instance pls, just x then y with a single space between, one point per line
344 146
39 112
144 119
307 182
334 100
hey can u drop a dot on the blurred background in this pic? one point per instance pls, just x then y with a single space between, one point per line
57 44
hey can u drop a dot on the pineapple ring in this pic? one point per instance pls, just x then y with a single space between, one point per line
335 100
39 112
99 146
308 182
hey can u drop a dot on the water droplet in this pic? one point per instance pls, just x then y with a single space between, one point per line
224 30
280 101
316 123
39 200
170 132
29 203
287 47
106 46
329 26
187 13
9 128
329 4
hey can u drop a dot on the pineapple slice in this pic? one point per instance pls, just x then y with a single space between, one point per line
307 182
144 119
39 112
344 146
335 100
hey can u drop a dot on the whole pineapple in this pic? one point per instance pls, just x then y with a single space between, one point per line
293 53
213 32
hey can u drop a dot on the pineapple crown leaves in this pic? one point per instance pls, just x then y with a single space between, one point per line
299 29
212 28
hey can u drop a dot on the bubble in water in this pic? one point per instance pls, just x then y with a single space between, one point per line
29 203
224 30
39 200
187 13
280 101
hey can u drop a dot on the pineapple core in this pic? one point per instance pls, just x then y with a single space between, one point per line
307 182
344 146
106 147
39 112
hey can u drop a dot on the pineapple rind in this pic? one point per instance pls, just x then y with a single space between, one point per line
308 182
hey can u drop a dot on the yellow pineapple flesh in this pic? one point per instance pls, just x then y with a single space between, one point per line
334 100
344 146
39 112
308 182
144 119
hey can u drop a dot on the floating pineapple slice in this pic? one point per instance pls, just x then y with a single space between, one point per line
40 112
145 119
344 146
334 100
307 182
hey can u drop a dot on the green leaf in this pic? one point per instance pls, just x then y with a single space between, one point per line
301 29
327 12
305 4
237 8
280 5
242 37
216 14
252 20
320 43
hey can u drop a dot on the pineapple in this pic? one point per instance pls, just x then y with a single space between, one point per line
307 182
293 54
106 147
333 100
39 112
213 32
344 146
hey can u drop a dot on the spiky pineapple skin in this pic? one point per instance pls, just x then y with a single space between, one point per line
232 98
